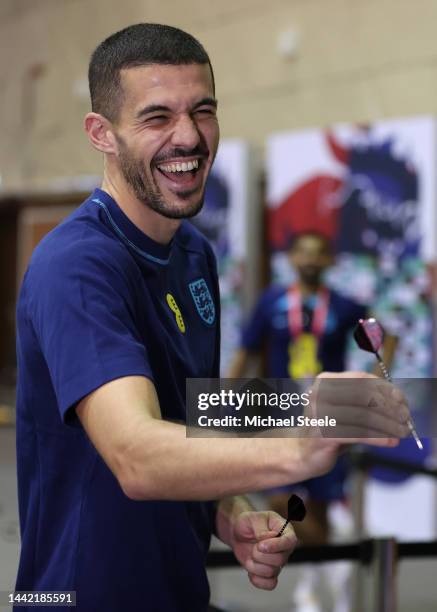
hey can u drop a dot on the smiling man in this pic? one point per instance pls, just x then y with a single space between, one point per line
118 307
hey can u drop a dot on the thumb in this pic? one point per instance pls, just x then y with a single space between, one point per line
253 526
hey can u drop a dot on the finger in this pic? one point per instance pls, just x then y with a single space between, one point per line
381 395
261 570
383 442
388 400
384 411
341 390
286 543
392 392
365 421
345 375
275 523
272 533
253 526
369 430
268 584
398 395
275 560
260 525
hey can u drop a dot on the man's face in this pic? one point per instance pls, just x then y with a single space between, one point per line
310 257
167 134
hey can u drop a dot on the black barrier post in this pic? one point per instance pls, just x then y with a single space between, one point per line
385 556
359 479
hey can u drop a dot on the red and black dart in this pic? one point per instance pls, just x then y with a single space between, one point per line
369 335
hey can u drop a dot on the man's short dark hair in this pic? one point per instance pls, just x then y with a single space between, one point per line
323 238
137 45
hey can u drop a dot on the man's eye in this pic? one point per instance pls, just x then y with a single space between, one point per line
156 119
206 111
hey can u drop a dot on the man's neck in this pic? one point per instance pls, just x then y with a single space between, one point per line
155 226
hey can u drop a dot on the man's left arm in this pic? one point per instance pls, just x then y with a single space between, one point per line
252 537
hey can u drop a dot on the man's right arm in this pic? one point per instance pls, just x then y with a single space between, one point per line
153 459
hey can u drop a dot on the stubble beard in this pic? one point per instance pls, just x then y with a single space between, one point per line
147 192
313 279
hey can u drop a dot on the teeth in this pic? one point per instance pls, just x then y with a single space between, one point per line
180 167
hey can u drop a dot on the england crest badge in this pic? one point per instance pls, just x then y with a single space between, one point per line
203 300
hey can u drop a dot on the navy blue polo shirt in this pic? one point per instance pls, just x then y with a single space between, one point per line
101 300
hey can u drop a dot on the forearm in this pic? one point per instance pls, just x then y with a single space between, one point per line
153 458
162 463
228 510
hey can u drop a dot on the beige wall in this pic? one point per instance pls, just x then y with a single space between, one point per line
358 60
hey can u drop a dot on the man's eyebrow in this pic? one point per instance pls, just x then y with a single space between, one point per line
152 108
206 102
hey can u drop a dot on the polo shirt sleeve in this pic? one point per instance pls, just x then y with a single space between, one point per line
256 328
83 312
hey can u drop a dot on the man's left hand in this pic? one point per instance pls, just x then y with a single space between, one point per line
257 548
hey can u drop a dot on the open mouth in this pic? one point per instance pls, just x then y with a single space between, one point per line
182 173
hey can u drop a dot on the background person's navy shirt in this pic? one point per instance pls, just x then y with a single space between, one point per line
92 308
269 323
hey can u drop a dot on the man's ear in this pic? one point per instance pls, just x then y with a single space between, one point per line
100 133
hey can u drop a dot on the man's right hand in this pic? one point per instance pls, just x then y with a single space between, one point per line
366 409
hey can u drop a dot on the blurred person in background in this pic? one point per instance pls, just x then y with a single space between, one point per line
305 328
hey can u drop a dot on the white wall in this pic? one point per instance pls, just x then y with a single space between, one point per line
357 61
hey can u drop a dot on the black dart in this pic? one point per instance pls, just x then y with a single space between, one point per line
296 512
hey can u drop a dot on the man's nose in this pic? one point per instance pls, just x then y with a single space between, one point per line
186 133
